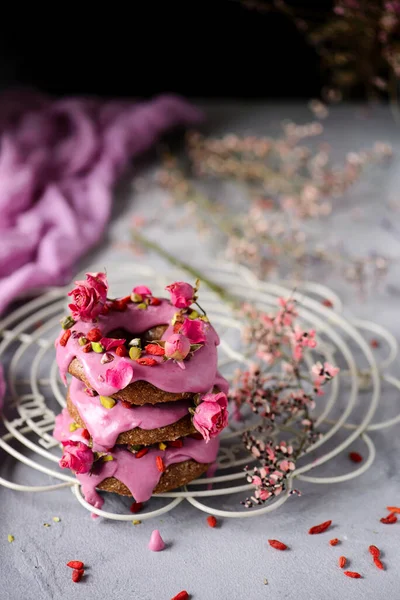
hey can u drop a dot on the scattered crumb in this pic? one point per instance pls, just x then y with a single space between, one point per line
10 538
136 522
46 525
56 519
265 581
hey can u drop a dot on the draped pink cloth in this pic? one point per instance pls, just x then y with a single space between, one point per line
59 161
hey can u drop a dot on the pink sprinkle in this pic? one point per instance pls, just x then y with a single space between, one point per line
156 543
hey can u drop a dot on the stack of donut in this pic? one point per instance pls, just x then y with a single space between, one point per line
145 403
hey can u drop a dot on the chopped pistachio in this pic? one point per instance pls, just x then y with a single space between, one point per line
10 538
67 322
97 347
136 297
142 306
56 519
73 426
136 522
134 353
46 525
107 402
82 341
175 318
107 458
194 347
135 448
193 315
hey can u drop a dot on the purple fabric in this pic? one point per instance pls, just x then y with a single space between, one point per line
58 163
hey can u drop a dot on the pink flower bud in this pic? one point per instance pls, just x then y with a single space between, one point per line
177 347
211 415
77 457
194 330
181 294
89 297
142 290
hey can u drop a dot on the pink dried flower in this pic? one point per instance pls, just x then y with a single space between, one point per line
77 456
302 339
89 297
322 374
182 294
211 415
142 290
110 343
120 376
194 330
177 347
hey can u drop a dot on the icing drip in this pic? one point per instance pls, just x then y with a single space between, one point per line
62 432
200 370
140 475
105 425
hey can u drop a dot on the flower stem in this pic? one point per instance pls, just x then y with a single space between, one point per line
177 262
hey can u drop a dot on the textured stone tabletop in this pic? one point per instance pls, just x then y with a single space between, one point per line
231 561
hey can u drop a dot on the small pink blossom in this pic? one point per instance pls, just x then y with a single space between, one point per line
77 456
194 330
287 312
302 339
287 465
270 453
264 494
89 297
330 370
110 343
182 294
322 374
177 347
120 376
211 415
142 290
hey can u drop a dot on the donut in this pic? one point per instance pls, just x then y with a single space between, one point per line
146 402
144 425
141 477
175 476
103 363
137 393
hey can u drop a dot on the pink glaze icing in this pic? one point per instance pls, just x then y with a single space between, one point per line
140 475
105 425
62 432
156 543
200 371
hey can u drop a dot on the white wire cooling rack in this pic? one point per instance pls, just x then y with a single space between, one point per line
35 393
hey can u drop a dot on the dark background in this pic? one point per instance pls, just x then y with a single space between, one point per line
200 49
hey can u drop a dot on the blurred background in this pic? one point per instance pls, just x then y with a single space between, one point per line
278 92
214 48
